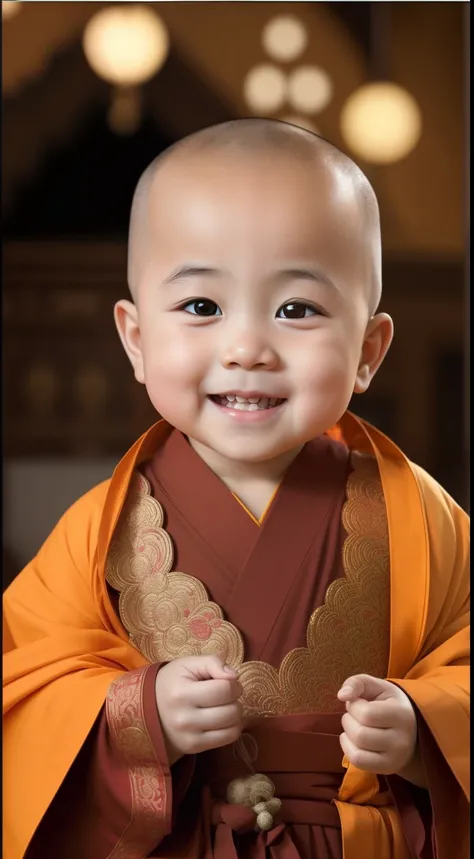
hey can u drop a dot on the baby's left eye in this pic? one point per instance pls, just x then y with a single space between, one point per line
296 310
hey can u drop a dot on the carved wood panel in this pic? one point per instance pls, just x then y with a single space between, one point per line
68 386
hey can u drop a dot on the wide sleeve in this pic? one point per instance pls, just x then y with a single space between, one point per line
438 684
117 798
60 661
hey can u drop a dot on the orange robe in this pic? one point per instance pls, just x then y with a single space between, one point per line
69 646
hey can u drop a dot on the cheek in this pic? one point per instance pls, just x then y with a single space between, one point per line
324 384
171 352
174 365
329 367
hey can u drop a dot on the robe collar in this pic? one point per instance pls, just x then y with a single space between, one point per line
407 527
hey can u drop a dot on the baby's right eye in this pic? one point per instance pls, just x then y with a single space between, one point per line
202 307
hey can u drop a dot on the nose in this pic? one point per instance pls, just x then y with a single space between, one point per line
247 349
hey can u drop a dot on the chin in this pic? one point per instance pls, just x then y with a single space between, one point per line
253 455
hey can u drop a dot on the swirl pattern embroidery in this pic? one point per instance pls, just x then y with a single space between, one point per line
349 633
147 783
168 614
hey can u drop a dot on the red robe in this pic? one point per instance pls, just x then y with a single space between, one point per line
119 798
240 563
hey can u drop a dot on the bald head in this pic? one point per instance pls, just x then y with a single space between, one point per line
253 137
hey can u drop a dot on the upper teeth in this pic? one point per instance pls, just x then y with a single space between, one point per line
242 399
250 403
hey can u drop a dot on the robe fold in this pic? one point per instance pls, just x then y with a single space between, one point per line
371 584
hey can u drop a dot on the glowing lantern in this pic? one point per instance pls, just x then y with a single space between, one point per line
265 88
126 46
381 122
284 38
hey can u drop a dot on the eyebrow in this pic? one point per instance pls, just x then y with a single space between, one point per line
313 274
185 271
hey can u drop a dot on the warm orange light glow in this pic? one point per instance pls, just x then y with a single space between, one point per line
381 122
310 89
265 88
126 45
284 38
10 8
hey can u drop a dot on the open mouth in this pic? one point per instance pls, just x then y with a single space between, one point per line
244 404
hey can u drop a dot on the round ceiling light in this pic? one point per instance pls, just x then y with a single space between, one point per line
381 122
265 88
284 38
10 8
310 89
126 45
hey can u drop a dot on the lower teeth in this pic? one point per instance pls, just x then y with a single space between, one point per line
245 407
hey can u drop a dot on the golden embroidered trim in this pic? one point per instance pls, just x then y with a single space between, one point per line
168 614
348 634
147 782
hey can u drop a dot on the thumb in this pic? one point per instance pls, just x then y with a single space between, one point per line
211 667
365 686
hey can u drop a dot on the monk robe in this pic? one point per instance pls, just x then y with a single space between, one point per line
360 565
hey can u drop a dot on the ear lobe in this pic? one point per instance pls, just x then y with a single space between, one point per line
363 379
126 321
378 338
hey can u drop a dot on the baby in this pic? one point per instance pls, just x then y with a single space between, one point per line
241 707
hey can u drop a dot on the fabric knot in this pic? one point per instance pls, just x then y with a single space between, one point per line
258 793
238 818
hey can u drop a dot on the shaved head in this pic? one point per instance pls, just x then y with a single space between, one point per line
255 272
254 137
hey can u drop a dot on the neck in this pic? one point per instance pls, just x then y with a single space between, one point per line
241 473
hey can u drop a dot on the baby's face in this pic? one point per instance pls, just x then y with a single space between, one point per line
252 302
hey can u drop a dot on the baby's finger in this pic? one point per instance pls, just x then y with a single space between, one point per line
366 739
214 693
367 687
351 689
364 760
374 714
217 739
206 667
218 718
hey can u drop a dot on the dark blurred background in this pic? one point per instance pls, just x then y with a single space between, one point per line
76 137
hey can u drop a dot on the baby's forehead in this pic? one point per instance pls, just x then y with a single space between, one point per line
230 174
297 186
239 210
243 148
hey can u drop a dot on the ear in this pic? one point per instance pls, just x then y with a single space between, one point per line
126 320
377 340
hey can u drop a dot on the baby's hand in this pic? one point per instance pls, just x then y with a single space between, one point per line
197 700
380 731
